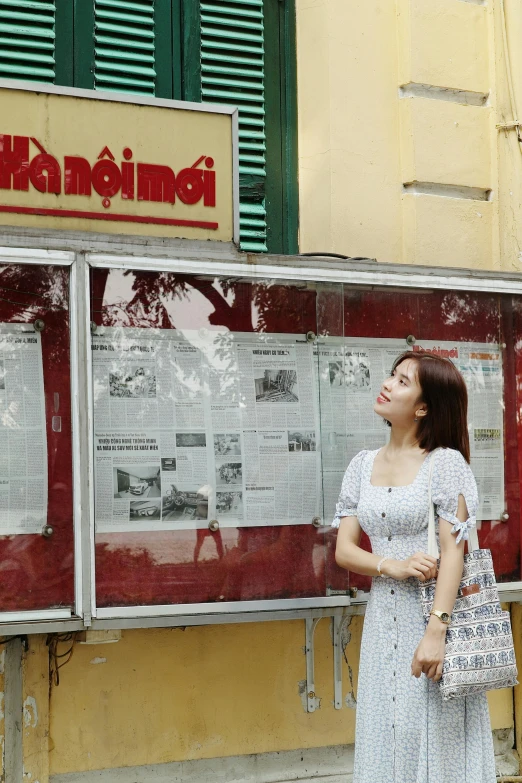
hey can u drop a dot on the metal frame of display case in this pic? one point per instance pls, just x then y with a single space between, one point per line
219 259
40 257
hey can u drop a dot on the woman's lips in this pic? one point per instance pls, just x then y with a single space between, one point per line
382 398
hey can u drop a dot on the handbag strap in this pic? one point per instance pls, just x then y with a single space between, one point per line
433 549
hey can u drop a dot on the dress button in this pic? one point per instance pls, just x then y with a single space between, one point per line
392 592
389 538
383 515
389 489
394 673
394 646
395 619
394 698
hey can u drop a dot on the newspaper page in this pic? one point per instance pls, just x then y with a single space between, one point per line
23 437
351 372
192 425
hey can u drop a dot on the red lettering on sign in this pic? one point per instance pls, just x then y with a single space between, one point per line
106 153
127 180
106 178
209 193
45 174
14 162
189 185
156 183
77 176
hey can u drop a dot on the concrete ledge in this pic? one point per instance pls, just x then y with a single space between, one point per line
320 765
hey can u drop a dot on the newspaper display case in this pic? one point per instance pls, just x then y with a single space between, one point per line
221 410
37 547
480 333
227 407
207 459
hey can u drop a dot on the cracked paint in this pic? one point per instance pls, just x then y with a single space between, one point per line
98 660
30 712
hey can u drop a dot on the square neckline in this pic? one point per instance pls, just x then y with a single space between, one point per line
396 486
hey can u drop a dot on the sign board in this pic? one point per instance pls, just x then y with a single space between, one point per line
88 161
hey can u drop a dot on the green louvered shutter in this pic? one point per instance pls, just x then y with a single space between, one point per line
27 40
124 46
233 72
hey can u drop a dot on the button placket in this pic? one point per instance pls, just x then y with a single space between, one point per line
384 513
394 624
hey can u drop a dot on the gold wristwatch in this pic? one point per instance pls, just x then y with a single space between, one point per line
444 617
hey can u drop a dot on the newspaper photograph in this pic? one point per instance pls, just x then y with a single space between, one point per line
23 438
196 425
351 372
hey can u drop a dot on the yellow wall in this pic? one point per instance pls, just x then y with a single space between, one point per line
375 81
168 695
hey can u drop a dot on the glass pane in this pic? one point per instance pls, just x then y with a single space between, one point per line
335 431
206 410
36 572
478 332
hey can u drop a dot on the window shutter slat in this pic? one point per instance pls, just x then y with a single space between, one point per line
233 72
27 40
124 46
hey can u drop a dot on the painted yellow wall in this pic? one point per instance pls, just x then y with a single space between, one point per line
365 131
35 727
168 695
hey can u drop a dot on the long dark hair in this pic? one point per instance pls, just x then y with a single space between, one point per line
444 392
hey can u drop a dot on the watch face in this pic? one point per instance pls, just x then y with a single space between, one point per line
444 616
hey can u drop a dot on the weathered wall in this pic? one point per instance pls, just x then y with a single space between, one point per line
167 695
35 728
171 695
400 157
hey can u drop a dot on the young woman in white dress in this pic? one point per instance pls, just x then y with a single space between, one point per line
405 733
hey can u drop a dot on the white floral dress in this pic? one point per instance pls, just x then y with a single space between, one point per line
405 733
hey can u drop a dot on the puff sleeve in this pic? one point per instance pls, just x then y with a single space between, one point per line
452 477
350 490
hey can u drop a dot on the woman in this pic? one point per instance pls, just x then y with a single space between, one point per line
405 733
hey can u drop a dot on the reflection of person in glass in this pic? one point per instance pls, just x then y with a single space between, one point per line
385 494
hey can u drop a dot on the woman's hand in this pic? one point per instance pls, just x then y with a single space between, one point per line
429 655
420 565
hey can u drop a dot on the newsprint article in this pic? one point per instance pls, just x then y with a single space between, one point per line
255 429
23 439
196 425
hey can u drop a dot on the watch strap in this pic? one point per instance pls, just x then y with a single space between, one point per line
438 613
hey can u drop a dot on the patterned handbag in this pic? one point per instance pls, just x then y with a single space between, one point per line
479 654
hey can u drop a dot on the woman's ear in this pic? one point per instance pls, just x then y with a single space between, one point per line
421 412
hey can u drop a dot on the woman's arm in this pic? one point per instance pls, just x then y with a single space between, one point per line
349 555
429 656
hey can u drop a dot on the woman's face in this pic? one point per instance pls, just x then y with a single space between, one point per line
399 399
